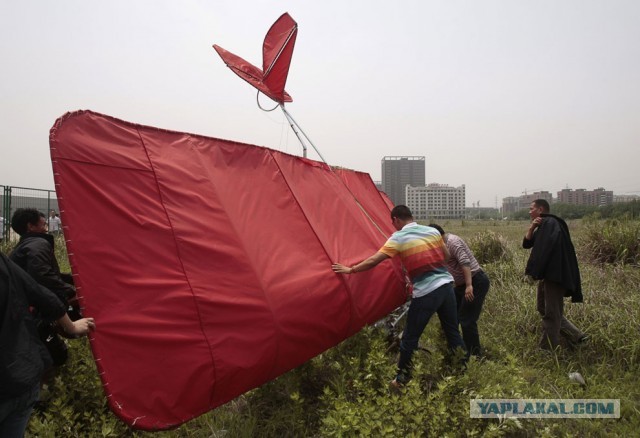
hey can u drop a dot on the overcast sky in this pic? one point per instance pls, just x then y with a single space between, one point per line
502 96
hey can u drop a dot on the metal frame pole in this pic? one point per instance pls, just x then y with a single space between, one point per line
292 122
293 125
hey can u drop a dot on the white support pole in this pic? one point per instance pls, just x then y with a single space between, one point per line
292 122
293 125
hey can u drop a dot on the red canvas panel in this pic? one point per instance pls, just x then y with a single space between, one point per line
206 263
277 50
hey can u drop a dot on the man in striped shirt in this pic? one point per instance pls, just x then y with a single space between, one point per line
424 256
471 287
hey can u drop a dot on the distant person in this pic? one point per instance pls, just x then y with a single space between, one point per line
54 223
1 228
554 263
24 359
471 287
423 254
35 254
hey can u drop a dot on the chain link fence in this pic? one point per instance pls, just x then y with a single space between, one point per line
12 198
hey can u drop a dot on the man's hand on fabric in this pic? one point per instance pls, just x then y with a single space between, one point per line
340 269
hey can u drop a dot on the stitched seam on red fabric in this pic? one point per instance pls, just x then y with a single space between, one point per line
155 177
342 278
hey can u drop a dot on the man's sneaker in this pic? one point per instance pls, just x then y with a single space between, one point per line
395 387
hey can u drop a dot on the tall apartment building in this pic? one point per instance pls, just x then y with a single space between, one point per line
528 199
597 197
511 204
436 201
398 172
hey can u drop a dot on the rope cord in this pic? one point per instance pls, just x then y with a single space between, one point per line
260 106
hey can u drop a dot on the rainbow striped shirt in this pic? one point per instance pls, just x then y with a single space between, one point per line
421 249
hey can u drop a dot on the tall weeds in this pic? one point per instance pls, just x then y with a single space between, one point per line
489 246
614 241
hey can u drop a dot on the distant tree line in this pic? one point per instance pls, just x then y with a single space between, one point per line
569 211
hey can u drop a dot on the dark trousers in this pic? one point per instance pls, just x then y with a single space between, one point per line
442 301
15 413
550 305
469 311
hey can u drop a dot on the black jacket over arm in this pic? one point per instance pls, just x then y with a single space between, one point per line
35 254
553 256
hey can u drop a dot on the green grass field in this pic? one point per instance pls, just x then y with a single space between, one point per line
344 392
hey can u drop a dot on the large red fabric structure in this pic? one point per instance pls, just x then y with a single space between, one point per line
277 50
206 263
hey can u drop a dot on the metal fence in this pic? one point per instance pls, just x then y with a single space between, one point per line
12 198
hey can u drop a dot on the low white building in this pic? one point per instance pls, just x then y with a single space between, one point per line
436 201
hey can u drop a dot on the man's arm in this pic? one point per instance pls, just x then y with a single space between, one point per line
527 242
80 327
447 253
468 281
462 254
364 265
49 304
546 244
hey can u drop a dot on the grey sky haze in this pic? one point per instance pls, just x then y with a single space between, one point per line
503 96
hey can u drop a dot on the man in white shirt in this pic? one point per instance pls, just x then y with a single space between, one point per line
54 223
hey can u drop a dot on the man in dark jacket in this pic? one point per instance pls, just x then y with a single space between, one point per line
554 263
35 254
24 358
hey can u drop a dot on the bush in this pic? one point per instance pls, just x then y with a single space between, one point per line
489 247
73 403
615 241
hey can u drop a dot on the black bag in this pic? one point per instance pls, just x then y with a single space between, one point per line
55 345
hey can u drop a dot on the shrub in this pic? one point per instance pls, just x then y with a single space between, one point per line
73 403
615 241
489 247
6 246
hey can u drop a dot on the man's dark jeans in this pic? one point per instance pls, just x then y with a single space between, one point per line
469 311
442 301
